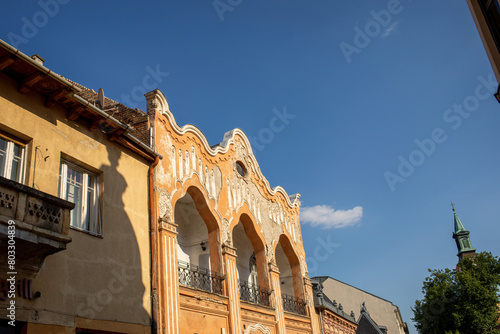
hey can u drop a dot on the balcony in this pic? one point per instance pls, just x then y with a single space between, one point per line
200 278
39 222
254 294
294 305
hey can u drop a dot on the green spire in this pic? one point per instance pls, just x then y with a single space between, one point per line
462 239
458 224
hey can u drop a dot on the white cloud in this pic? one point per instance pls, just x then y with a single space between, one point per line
390 29
326 217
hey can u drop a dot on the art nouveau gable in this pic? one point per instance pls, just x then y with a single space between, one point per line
225 226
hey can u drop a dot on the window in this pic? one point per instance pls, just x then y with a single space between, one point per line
11 159
80 186
240 168
253 270
491 12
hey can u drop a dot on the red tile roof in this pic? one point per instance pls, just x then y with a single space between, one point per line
134 118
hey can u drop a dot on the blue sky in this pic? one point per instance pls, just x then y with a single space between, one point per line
351 120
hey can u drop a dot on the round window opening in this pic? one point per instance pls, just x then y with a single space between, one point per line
240 168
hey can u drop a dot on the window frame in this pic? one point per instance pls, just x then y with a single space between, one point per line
93 210
9 158
491 13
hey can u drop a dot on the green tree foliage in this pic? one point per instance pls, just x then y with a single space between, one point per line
464 301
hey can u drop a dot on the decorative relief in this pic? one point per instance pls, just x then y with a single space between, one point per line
152 106
193 157
174 162
270 254
186 161
200 171
212 184
240 150
168 226
181 165
226 234
42 212
257 329
207 179
6 200
226 249
208 299
303 266
165 205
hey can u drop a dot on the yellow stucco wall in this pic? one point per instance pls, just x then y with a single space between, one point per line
101 278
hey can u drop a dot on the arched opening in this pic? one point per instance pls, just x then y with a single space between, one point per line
250 262
197 244
286 277
292 286
192 239
245 253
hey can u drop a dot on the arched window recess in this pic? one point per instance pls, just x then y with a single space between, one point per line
291 280
197 247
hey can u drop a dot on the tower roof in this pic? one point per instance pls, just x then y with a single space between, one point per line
461 236
459 227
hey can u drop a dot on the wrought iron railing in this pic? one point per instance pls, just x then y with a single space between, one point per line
200 278
294 305
254 294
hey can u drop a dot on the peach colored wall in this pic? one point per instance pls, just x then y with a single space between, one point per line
223 199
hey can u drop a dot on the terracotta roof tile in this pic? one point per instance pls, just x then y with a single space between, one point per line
134 118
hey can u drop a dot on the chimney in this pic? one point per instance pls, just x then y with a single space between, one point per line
38 59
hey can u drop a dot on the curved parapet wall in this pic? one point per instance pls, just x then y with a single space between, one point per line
228 173
223 187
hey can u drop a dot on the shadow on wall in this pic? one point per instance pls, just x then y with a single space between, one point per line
119 264
101 278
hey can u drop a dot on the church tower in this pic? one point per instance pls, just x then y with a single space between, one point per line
461 236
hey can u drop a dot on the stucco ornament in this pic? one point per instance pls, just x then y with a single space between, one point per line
240 150
257 329
156 102
153 105
303 267
226 234
270 254
165 205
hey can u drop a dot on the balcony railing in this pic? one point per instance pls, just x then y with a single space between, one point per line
37 221
294 305
200 278
254 294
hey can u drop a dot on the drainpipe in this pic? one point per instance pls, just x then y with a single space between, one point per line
321 321
152 240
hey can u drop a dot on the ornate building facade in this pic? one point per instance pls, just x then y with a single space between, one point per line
229 256
150 228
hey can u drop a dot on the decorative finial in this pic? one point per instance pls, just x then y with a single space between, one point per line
453 206
363 308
